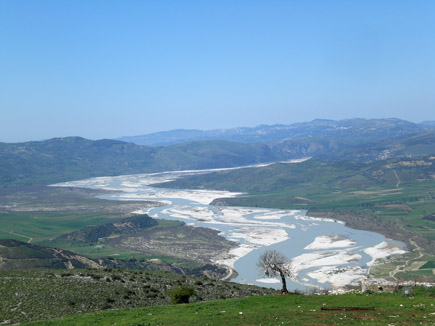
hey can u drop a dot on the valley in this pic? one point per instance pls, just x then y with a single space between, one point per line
209 208
365 196
254 229
60 217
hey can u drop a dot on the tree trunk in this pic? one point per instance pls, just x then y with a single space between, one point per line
284 283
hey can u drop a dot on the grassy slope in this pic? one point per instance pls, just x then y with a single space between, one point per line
42 294
270 310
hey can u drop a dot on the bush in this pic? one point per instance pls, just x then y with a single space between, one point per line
181 294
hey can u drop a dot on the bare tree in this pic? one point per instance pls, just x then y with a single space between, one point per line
273 263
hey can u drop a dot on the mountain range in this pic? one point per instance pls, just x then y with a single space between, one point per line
320 128
72 158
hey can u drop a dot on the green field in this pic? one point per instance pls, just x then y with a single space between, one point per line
40 213
41 226
271 310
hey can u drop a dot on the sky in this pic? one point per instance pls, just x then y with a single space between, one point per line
105 69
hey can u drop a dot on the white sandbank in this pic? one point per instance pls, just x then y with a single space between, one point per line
320 259
383 250
329 242
258 235
338 276
229 258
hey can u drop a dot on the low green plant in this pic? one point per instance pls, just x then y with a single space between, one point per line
181 294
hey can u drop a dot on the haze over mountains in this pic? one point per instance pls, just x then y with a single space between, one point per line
71 158
360 128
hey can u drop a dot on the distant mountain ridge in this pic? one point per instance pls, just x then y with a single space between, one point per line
72 158
360 128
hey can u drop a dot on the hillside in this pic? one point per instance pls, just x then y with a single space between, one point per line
356 149
141 242
19 255
386 309
72 158
332 175
350 128
92 234
73 219
46 294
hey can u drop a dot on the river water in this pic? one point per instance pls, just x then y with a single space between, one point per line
323 252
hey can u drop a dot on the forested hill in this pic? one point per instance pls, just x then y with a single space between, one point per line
72 158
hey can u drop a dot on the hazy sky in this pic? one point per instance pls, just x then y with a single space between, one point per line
104 69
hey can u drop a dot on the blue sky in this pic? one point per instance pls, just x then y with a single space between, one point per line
104 69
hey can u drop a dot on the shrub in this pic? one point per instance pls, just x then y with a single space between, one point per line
181 294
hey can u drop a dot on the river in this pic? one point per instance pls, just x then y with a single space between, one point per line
324 252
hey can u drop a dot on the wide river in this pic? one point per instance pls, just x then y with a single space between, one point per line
324 252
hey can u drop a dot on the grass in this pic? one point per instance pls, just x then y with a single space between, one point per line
29 295
270 310
429 264
41 226
101 250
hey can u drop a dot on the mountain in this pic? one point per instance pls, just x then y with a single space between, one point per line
340 175
428 123
350 128
15 254
356 149
72 158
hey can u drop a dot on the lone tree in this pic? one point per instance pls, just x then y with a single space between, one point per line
274 263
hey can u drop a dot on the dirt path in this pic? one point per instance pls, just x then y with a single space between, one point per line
398 179
21 235
401 268
230 274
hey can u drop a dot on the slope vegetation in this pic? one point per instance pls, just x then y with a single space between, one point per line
72 158
19 255
394 309
45 294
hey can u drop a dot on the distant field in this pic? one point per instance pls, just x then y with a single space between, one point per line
42 213
271 310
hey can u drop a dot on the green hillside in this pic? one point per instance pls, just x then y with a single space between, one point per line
92 234
45 294
388 309
19 255
72 158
